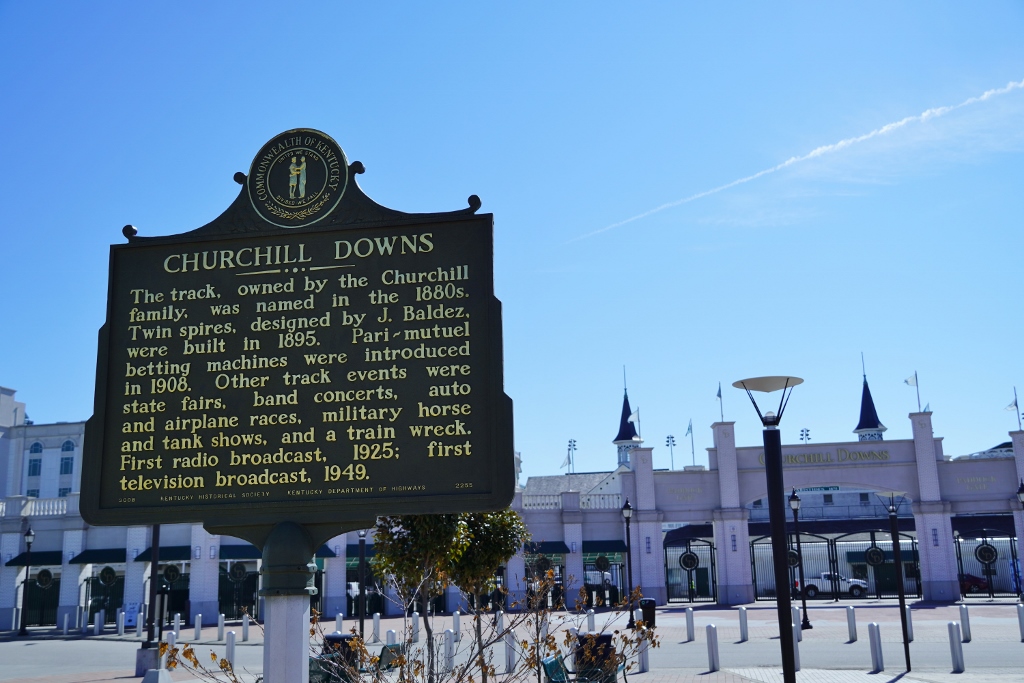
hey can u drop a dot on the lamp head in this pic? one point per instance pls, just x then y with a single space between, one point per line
794 501
362 534
627 510
30 536
768 385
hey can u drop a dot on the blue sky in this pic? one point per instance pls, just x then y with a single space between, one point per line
566 119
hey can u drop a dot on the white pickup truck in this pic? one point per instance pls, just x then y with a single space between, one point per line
855 587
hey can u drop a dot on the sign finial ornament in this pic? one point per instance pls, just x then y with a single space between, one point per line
297 178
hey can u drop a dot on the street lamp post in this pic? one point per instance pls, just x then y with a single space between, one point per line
627 514
670 441
897 557
1020 583
777 506
29 537
794 505
362 582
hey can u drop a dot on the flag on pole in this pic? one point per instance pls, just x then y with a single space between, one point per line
689 429
912 380
719 391
1012 406
568 459
634 417
927 407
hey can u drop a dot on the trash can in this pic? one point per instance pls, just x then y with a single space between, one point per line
647 607
337 661
595 658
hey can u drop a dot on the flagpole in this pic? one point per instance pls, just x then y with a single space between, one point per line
917 386
1016 408
721 409
693 453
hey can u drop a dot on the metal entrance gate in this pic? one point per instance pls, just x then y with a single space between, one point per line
690 571
841 566
988 564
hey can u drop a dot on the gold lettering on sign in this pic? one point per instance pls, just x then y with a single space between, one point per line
842 455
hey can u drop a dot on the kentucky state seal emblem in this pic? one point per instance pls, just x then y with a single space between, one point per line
297 178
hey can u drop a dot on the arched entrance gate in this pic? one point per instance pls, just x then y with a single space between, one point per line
987 563
854 565
690 571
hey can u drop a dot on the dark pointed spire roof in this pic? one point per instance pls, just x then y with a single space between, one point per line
627 432
868 417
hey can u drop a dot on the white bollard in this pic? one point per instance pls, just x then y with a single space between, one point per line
120 622
245 628
415 627
956 650
796 646
229 650
798 634
391 636
449 650
570 659
177 625
714 663
542 645
97 626
851 624
339 622
138 625
744 633
965 620
590 621
1020 621
643 657
199 627
499 622
875 636
638 615
593 598
510 652
172 641
689 625
67 616
220 627
376 627
910 627
455 625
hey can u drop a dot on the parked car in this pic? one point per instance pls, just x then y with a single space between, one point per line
855 587
969 583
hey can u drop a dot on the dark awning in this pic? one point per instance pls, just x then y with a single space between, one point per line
245 551
44 558
168 553
352 550
326 552
100 556
546 548
678 537
604 546
975 526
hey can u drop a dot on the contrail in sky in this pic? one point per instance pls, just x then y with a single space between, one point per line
820 151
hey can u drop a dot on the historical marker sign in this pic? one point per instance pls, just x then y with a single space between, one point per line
309 355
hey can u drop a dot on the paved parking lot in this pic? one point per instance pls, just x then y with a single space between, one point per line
996 652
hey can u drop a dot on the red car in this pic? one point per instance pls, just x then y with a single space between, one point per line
969 583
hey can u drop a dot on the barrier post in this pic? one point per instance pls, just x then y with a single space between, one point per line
851 624
798 633
198 623
376 627
796 646
101 619
956 650
510 652
643 658
415 627
965 620
220 627
177 625
1020 620
229 650
449 649
138 625
590 621
456 627
910 627
391 636
744 633
689 625
245 628
877 663
714 663
66 616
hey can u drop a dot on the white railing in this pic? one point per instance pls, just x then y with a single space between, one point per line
542 502
600 501
42 507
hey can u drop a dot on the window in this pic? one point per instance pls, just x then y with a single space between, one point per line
864 499
35 467
67 464
758 503
68 446
32 493
36 448
827 499
63 491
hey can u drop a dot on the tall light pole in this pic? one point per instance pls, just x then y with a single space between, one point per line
894 531
794 505
362 581
777 506
29 537
805 434
670 441
627 514
571 458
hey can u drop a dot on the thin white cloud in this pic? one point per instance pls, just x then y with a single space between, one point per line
924 116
